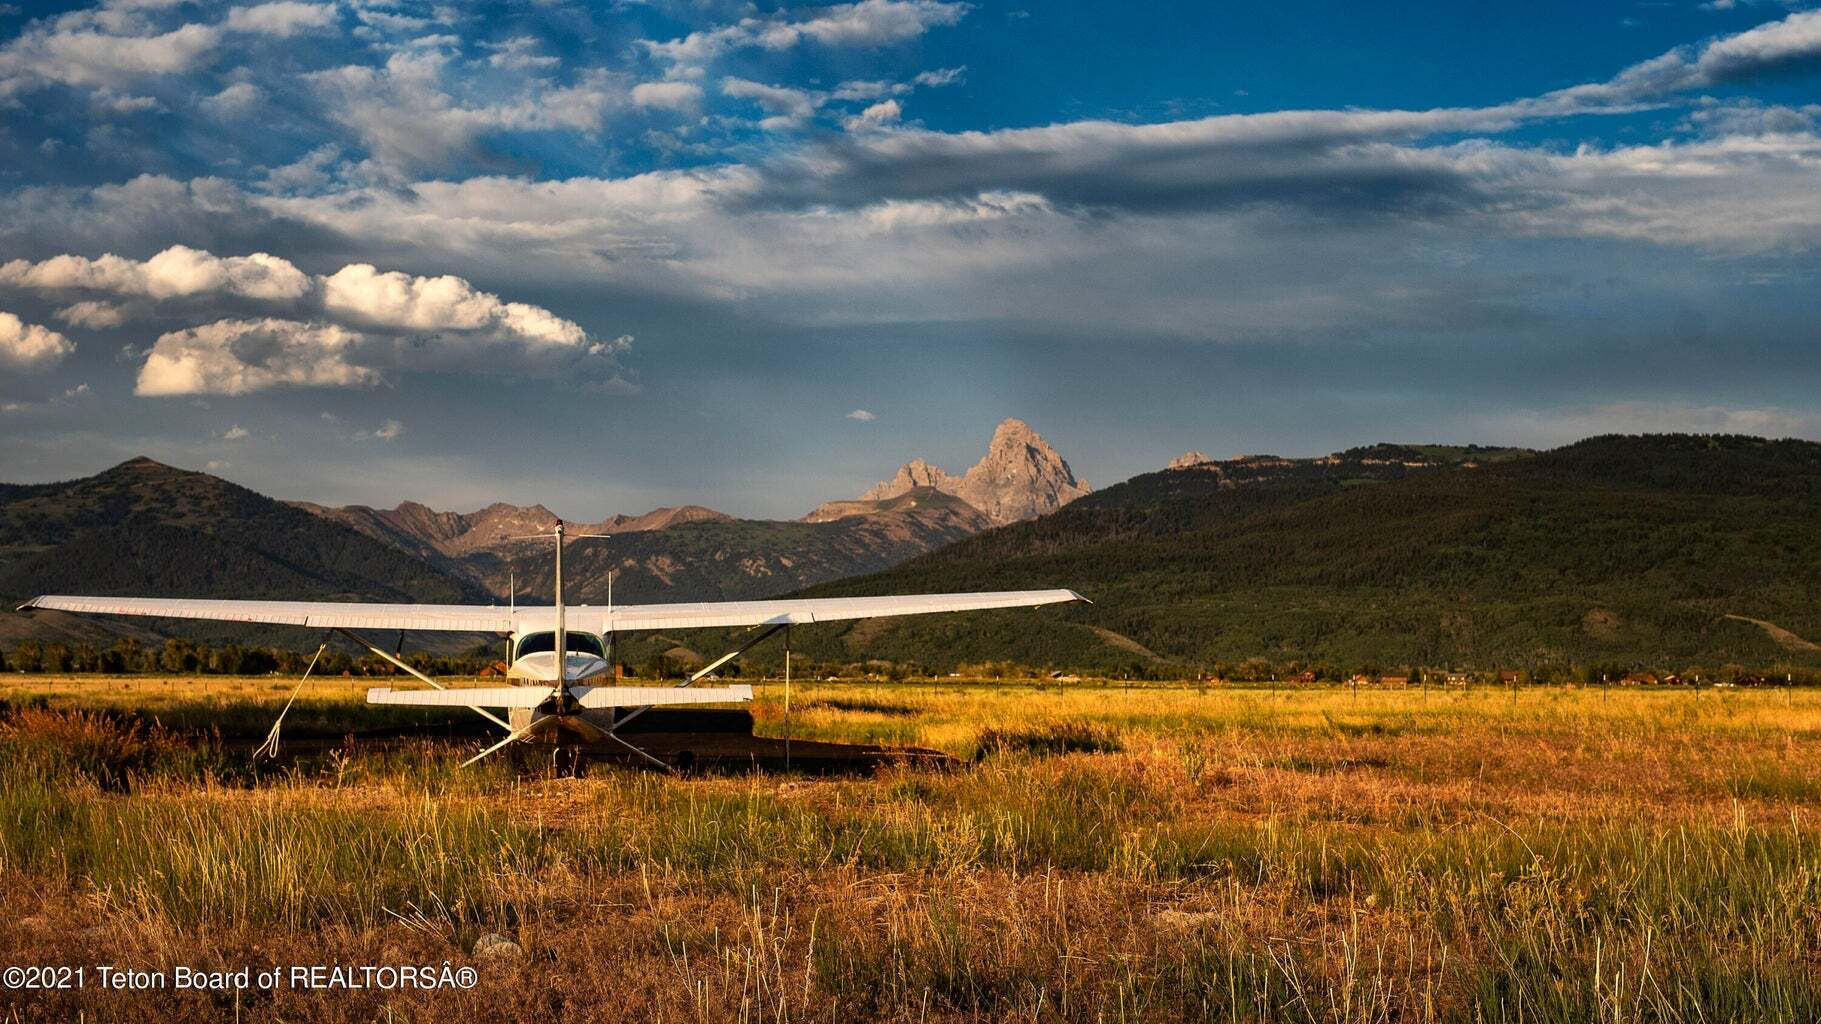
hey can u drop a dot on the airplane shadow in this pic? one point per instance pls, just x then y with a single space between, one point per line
690 741
721 742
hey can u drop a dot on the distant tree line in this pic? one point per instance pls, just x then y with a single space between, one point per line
187 657
1259 670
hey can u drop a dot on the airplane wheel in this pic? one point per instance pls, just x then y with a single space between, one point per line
686 760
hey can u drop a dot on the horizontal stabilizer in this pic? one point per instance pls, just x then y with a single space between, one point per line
469 697
640 696
587 696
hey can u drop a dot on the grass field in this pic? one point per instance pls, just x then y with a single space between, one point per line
1160 853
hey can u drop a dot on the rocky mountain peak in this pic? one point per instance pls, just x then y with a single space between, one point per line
504 510
910 476
1013 431
1021 477
660 519
143 469
139 462
500 523
1188 459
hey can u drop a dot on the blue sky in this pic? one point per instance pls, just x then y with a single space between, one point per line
611 256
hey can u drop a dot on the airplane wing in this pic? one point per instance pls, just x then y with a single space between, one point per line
499 619
800 611
316 614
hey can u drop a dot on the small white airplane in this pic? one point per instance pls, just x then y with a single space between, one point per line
551 704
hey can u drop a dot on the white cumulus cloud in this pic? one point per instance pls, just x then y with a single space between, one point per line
682 97
879 115
93 315
234 101
864 24
177 271
445 303
281 18
359 296
238 357
862 415
30 348
76 52
787 106
877 22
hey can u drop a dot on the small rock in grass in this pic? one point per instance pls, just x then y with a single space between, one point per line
495 948
1186 919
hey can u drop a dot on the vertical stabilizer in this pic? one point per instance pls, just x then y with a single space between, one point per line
562 640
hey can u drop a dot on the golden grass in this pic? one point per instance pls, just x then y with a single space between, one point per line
1164 853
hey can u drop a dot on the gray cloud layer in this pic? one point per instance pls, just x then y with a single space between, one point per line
824 210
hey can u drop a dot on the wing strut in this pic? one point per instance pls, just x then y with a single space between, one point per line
702 672
357 638
699 674
511 737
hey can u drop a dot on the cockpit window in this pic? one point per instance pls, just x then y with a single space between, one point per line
578 643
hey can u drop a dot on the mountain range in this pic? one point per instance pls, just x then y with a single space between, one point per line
1657 551
144 527
692 553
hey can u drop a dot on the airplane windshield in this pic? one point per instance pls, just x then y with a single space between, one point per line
578 643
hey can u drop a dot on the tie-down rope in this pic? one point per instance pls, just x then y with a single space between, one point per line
269 748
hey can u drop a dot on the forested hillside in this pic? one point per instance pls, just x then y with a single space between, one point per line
1651 551
150 529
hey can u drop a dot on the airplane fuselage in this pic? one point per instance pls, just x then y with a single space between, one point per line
558 721
534 656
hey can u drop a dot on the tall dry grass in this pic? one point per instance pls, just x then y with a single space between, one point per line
1168 854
